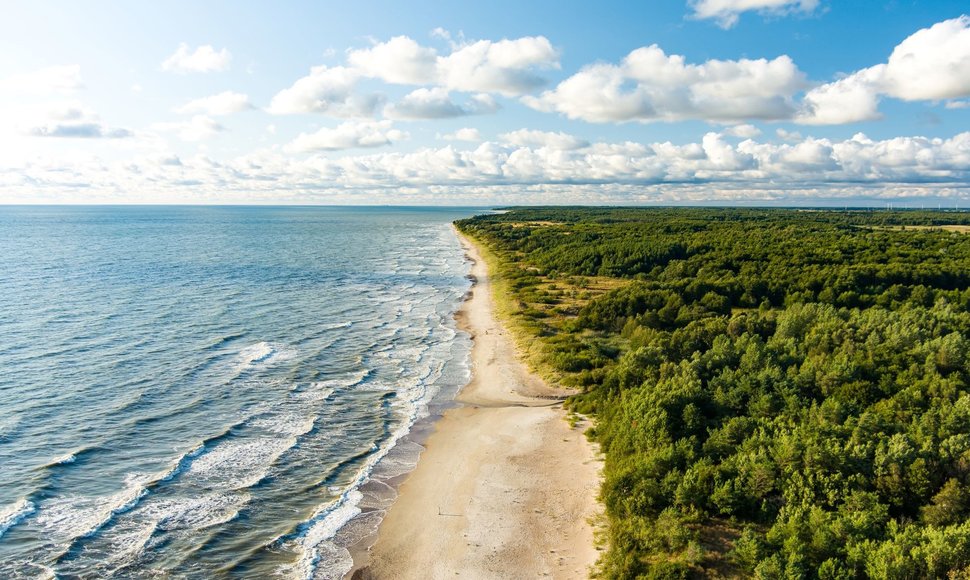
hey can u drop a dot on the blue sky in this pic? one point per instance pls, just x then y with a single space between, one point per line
673 101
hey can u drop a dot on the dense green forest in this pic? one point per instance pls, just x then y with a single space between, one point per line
778 393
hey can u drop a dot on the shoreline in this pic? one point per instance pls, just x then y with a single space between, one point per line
505 487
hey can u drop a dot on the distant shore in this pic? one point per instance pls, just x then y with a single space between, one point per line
506 488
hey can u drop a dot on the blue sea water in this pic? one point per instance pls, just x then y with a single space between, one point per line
215 391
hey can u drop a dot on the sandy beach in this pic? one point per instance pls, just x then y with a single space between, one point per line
506 488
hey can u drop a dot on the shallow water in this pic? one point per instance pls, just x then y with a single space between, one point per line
206 392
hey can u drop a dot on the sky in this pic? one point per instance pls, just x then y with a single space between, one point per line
759 102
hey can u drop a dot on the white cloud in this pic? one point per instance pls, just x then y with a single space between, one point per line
507 67
743 131
531 138
81 130
400 60
464 134
436 103
224 103
958 104
198 128
53 79
785 135
726 12
848 100
650 85
202 59
66 120
931 64
709 170
329 90
347 135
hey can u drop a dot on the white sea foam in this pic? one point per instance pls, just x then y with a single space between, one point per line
65 459
13 514
239 464
135 534
315 394
196 513
264 354
74 517
327 519
320 528
292 424
321 390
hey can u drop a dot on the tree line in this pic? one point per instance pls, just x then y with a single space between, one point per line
778 393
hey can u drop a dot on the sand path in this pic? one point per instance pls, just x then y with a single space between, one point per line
505 488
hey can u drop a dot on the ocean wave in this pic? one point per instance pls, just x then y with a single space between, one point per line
13 514
293 425
142 528
321 527
8 426
227 338
71 457
74 518
285 455
320 390
327 519
314 395
238 465
264 354
195 513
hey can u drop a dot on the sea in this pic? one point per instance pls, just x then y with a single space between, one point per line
216 392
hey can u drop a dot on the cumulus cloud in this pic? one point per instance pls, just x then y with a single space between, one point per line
532 138
711 169
205 58
931 64
67 120
713 159
400 60
649 85
726 12
330 90
786 135
819 164
464 134
507 67
848 100
743 131
224 103
198 128
84 130
436 103
53 79
348 135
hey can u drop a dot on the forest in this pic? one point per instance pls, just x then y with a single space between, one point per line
777 393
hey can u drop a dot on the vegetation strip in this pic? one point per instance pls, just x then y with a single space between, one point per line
778 393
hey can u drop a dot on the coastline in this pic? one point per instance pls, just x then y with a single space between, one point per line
505 487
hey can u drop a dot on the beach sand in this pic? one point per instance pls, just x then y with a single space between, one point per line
506 488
